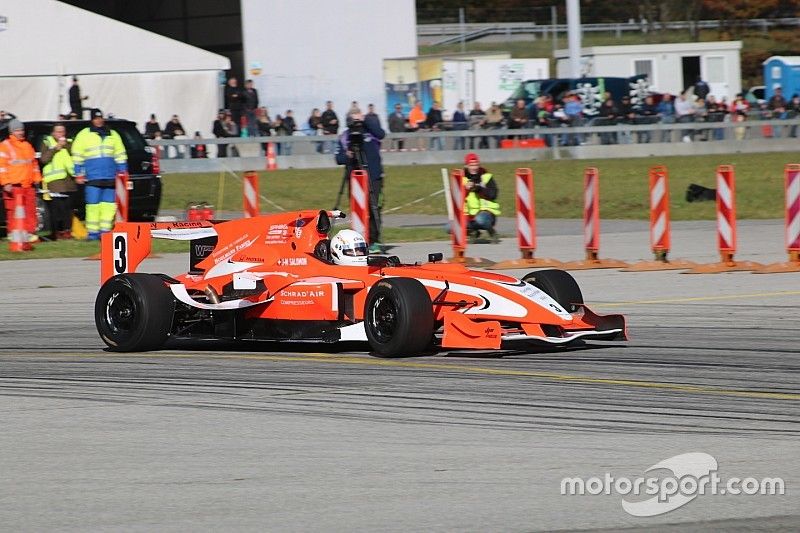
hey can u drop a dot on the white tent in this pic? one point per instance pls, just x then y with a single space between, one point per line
124 70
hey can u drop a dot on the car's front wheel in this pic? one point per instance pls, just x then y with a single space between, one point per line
398 318
133 312
558 285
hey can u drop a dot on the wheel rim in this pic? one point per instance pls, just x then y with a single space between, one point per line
383 318
120 313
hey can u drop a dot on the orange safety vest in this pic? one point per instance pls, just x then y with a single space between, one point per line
416 117
18 165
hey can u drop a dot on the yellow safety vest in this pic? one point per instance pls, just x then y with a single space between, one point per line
475 203
60 166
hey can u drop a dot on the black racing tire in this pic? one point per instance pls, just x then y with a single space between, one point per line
133 312
398 318
559 285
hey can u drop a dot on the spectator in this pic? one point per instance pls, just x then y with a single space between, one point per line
480 205
777 103
250 95
494 121
701 89
793 111
59 182
397 124
648 111
701 115
5 118
371 113
416 121
315 125
151 127
234 100
174 130
220 132
19 174
75 98
740 105
371 147
684 112
626 116
354 110
518 118
99 155
666 113
330 124
477 121
433 122
459 124
232 128
573 109
198 150
289 127
608 115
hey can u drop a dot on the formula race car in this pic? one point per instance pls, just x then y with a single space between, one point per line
275 278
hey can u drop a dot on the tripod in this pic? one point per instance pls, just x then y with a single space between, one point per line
360 163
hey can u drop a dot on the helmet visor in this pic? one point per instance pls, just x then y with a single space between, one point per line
357 250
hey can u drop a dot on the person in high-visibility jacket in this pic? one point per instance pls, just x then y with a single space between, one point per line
480 205
19 174
99 155
59 183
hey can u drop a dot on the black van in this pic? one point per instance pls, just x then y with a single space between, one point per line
143 167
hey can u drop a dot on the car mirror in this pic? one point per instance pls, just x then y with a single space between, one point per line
323 222
435 258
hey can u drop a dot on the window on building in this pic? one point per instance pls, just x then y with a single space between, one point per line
644 66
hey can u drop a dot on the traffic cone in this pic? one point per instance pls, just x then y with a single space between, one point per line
272 162
17 236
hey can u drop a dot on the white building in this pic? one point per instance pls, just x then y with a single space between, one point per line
670 67
124 70
301 53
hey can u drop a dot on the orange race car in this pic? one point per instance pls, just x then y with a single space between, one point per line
280 278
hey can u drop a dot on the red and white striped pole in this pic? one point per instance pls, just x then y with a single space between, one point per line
526 212
250 194
122 196
458 229
792 184
791 176
272 162
659 213
359 202
726 212
591 212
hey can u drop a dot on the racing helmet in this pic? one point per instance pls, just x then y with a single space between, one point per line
348 247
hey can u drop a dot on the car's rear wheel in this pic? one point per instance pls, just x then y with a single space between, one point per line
559 285
133 312
398 318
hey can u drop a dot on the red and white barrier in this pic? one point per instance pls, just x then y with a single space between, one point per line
591 226
660 234
458 228
250 194
17 236
726 211
122 196
526 224
591 210
359 202
272 161
791 176
726 227
792 184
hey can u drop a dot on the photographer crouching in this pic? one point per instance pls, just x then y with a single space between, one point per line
359 148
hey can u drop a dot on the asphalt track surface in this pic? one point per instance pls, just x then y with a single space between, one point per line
267 438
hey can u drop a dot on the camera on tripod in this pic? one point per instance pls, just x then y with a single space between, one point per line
355 135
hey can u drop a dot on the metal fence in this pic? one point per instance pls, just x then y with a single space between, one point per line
453 33
620 140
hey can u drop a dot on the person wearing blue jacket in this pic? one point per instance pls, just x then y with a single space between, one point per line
99 155
369 129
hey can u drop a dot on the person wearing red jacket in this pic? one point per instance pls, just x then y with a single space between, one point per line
19 174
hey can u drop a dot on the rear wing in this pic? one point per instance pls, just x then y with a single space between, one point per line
124 248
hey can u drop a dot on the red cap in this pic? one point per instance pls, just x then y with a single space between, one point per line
471 158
